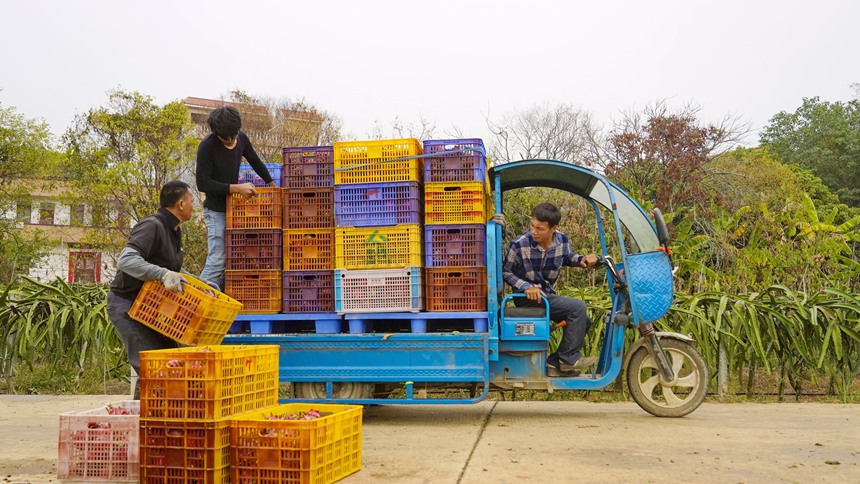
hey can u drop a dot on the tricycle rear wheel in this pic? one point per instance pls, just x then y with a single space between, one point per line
672 399
339 390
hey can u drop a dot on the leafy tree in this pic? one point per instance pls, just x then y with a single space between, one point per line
823 137
119 156
25 150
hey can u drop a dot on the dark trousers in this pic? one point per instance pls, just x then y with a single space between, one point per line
135 335
572 310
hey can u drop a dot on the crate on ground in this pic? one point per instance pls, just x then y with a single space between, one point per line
455 245
185 451
254 249
378 290
258 291
376 161
456 160
261 211
308 291
376 204
456 288
308 167
455 203
309 208
98 445
208 382
248 175
378 247
199 315
308 249
269 447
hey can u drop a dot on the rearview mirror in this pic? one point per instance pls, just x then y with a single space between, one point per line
662 230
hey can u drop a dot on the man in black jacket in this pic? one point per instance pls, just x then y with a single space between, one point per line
153 252
218 159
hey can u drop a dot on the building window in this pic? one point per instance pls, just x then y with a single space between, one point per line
85 266
24 212
76 215
46 213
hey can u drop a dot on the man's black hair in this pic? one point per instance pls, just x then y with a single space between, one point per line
172 192
225 122
547 212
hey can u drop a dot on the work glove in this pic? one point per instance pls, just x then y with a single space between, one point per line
500 219
173 281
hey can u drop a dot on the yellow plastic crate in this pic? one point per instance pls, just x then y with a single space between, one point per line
378 247
455 203
199 315
184 451
322 450
206 383
371 161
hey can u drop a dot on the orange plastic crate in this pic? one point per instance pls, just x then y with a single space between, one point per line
455 203
258 291
308 249
378 247
377 161
456 288
207 383
199 315
296 451
95 446
309 208
262 211
184 452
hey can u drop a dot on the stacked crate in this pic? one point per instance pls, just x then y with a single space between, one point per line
378 249
253 250
308 270
248 175
455 214
187 399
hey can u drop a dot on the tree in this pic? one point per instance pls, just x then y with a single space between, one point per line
274 123
562 132
824 138
26 148
119 156
662 155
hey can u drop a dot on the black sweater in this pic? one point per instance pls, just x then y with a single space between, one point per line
218 168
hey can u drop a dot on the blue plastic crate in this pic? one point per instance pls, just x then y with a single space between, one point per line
377 204
459 160
378 290
248 175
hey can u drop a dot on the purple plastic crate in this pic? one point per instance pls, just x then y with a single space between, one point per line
308 167
377 204
308 291
455 245
248 175
253 249
470 165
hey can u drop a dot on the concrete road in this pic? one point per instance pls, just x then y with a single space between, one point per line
516 442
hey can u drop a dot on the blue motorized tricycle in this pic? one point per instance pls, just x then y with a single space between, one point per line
506 347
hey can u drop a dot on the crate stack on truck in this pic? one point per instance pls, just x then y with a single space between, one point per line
455 208
378 238
253 242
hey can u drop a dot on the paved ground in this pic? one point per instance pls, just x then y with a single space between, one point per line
502 442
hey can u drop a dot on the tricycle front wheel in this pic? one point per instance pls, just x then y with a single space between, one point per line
668 399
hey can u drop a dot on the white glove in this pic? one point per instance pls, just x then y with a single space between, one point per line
173 281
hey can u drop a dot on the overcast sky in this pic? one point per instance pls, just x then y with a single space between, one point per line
453 63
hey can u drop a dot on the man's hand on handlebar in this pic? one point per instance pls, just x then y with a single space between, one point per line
533 293
589 261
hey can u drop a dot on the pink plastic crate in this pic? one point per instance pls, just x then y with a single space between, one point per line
95 446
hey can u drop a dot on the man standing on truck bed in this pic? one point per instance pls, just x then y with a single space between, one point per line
218 159
532 265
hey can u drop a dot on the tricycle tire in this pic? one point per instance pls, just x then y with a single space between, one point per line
681 396
339 390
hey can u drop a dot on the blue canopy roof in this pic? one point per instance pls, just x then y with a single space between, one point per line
583 182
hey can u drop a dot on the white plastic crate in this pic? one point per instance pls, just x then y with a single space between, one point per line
378 290
97 447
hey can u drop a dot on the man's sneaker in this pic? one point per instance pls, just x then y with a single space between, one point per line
553 371
582 363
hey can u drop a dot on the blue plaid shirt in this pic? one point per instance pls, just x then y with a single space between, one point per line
527 264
